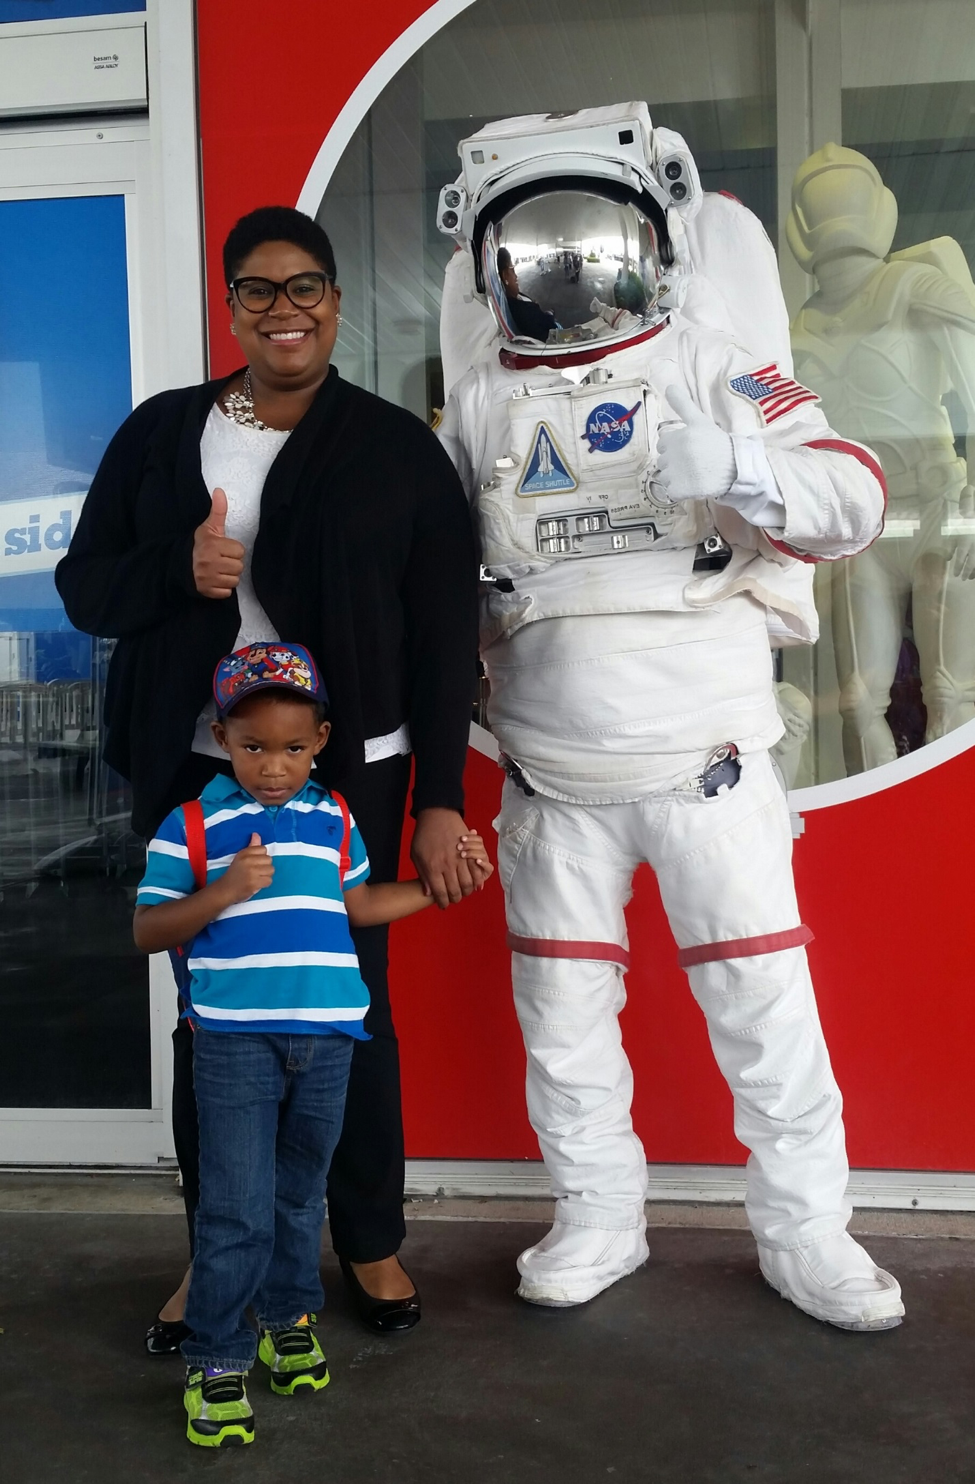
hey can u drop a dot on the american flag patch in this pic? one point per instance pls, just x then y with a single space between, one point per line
773 393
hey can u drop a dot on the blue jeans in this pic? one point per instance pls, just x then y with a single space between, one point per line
270 1111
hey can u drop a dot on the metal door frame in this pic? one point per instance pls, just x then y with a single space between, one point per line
153 162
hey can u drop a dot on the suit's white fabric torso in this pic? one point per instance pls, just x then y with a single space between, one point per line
612 676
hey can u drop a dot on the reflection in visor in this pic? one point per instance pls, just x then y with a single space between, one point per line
566 268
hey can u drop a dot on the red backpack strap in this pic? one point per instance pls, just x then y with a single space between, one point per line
345 859
196 841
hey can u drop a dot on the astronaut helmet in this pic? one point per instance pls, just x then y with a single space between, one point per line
839 204
575 226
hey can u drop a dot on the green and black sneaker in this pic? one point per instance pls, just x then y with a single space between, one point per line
217 1408
294 1357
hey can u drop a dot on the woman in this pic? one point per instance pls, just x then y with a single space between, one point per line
529 318
282 500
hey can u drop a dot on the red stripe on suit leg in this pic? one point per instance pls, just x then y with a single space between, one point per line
610 953
709 953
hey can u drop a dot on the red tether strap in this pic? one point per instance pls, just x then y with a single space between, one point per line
610 953
709 953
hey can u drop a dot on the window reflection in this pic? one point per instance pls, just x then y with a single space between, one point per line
882 339
503 57
73 994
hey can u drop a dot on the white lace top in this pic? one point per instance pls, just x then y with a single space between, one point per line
237 459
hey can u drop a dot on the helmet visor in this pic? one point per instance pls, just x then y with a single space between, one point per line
566 267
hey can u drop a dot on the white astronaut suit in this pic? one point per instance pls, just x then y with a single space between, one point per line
687 486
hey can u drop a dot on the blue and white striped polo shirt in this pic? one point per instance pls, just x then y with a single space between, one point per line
283 961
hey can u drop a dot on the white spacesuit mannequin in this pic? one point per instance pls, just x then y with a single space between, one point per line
635 581
881 341
719 235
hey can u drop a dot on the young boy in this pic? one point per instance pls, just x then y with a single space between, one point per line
276 1001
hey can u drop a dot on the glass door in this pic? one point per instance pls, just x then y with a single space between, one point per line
83 1057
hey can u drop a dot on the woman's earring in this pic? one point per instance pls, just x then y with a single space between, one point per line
338 319
233 328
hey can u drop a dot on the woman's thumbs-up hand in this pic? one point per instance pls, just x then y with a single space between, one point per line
217 561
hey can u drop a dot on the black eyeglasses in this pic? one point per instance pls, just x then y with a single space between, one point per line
305 290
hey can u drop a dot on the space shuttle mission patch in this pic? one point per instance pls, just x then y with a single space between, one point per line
546 472
772 393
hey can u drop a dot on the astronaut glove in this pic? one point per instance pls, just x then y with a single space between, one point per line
696 461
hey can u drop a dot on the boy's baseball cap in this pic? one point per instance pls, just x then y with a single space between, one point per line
277 666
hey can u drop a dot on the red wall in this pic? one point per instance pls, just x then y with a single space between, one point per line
885 882
265 109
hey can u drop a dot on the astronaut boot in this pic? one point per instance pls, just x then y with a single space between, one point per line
836 1281
574 1263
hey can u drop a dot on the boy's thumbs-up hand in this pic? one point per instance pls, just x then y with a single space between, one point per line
217 561
695 458
249 872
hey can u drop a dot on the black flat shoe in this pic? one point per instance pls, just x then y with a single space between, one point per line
384 1316
164 1336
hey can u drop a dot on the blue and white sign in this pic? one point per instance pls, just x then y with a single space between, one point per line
546 472
609 427
65 385
62 10
34 534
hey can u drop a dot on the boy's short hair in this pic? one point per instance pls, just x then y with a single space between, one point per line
318 707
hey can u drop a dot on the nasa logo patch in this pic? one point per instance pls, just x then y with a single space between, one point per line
546 472
609 427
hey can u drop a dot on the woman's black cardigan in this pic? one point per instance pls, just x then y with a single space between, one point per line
365 554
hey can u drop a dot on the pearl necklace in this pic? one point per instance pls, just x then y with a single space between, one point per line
239 407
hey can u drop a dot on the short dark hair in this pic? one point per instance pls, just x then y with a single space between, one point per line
504 259
276 224
281 693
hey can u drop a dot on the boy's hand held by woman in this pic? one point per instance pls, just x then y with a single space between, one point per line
445 875
473 850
